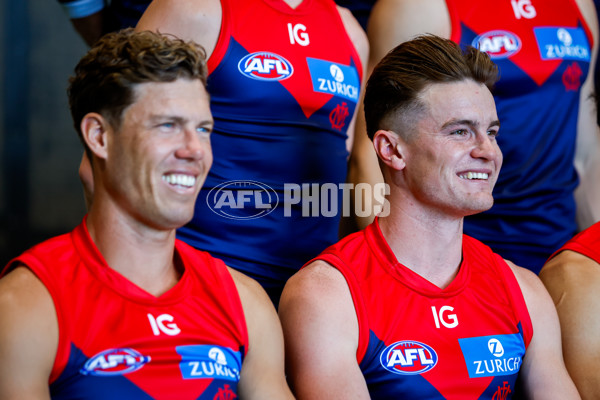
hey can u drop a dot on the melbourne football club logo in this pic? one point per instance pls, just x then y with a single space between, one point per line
498 44
408 358
265 66
114 362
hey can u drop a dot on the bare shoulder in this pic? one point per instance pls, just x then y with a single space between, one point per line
395 21
318 299
569 271
356 33
318 280
199 21
249 290
321 333
28 336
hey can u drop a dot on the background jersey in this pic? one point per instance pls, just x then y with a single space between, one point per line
543 50
417 341
284 84
117 341
586 242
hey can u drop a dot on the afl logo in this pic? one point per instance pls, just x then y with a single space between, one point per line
242 199
114 362
408 358
265 66
498 44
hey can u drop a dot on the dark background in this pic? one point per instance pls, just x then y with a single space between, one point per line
40 193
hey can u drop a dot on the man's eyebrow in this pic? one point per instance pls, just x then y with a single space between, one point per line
173 118
468 122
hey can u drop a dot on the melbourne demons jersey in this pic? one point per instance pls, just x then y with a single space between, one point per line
586 242
117 341
284 84
417 341
543 51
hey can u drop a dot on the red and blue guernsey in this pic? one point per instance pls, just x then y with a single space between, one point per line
117 341
586 243
543 51
284 84
417 341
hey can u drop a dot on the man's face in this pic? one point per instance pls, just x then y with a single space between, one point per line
159 157
452 158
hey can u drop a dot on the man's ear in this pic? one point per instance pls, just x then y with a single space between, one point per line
389 147
94 129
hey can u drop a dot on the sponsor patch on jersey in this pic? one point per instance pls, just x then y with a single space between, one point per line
114 362
242 199
498 44
209 361
408 357
336 79
562 43
495 355
265 66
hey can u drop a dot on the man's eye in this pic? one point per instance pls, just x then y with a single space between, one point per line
460 132
167 125
203 129
493 133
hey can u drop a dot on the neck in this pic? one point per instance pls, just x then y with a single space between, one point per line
430 245
143 255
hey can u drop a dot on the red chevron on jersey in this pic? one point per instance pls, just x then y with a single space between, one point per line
418 341
526 31
298 42
117 341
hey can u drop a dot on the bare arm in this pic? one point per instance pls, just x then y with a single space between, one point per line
543 370
262 375
28 337
321 335
587 156
91 28
199 21
573 281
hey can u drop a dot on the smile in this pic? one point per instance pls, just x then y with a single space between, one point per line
474 175
180 180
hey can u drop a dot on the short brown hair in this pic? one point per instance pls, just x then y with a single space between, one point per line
393 87
105 77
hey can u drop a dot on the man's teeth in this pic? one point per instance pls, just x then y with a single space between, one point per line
181 180
474 175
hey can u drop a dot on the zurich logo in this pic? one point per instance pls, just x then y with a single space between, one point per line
408 358
114 362
265 66
498 44
242 199
495 347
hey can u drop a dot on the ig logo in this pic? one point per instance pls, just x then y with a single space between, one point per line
298 34
523 8
158 325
